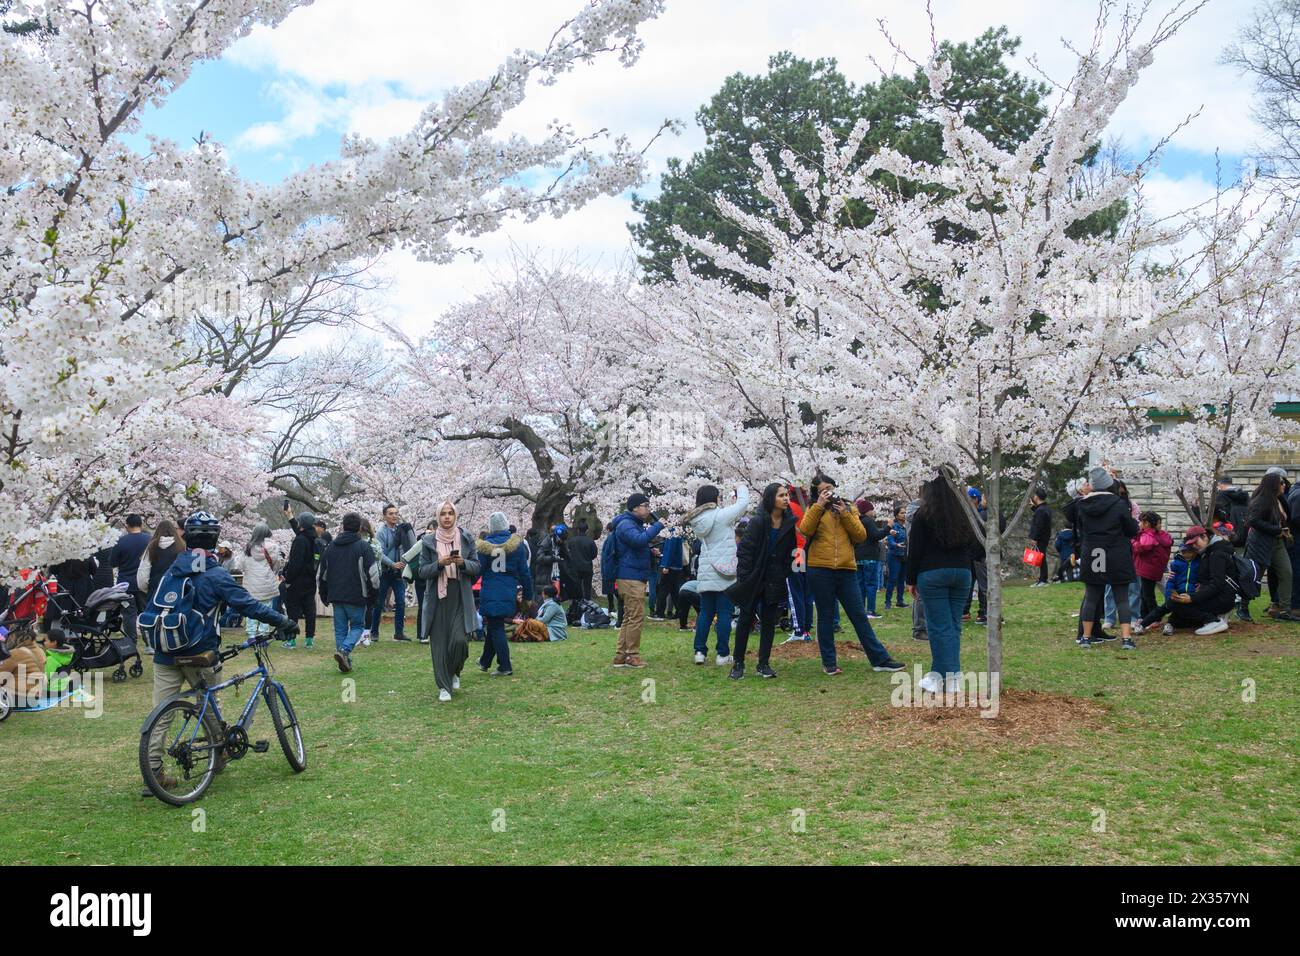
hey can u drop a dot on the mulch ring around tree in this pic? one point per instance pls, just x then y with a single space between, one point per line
1024 718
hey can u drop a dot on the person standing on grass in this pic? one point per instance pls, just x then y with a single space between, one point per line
896 542
1150 557
412 556
1040 531
866 556
1267 534
632 568
448 564
715 527
582 560
262 563
1108 528
125 560
505 575
609 571
831 527
940 549
349 577
164 547
764 561
672 571
300 579
395 538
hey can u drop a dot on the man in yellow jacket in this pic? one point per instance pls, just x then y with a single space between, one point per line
832 528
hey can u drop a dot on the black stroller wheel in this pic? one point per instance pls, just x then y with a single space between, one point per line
137 668
119 675
5 705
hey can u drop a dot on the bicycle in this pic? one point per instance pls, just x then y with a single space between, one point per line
205 743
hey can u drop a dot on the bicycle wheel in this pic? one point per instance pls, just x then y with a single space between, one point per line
189 751
277 702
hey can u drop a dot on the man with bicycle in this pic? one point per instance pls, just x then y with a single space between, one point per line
214 588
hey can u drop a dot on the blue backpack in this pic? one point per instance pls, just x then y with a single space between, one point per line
609 559
170 623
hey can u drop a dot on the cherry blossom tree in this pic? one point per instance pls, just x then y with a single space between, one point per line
972 315
95 235
1221 367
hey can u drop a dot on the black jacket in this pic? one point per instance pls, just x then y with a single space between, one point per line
925 553
1230 506
869 550
1040 526
349 571
761 568
1108 527
1212 592
300 569
582 555
1264 526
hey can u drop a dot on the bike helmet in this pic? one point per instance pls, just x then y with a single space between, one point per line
202 531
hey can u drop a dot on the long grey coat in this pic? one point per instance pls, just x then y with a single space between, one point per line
466 576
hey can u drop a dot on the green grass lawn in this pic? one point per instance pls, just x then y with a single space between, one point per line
580 768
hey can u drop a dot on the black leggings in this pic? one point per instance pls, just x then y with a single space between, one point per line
1094 598
1148 596
768 614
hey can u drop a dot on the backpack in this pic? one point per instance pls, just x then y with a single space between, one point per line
1244 577
170 623
609 559
593 615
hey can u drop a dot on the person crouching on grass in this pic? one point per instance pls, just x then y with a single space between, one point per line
1206 607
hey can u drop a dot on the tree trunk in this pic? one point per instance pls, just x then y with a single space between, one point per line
993 569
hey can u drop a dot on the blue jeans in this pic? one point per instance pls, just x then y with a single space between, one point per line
713 603
869 582
896 580
943 591
652 589
1134 596
801 602
1294 553
832 586
392 582
496 644
349 621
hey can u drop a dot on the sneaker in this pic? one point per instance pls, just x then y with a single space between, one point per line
737 671
922 636
982 622
699 657
290 645
1286 616
620 660
484 668
341 659
423 640
365 639
1214 627
932 683
901 604
502 673
793 638
765 670
1244 617
444 695
401 637
806 637
311 642
455 683
634 661
1136 630
1081 641
953 684
680 628
831 671
873 616
1128 645
889 664
1167 630
653 618
1102 637
722 660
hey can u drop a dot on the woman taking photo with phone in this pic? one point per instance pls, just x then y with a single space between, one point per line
449 565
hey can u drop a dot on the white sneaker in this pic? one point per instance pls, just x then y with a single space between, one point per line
953 684
699 657
455 683
365 639
792 638
444 695
932 683
1136 629
722 661
1167 630
1214 627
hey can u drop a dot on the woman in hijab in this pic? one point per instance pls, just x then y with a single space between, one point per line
449 564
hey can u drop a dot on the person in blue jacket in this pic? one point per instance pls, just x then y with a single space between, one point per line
505 571
896 545
1065 570
214 589
631 562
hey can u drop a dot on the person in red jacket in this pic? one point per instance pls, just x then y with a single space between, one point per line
1150 557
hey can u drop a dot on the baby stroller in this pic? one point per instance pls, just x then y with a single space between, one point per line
94 632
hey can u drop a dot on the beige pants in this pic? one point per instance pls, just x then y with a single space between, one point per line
629 631
168 681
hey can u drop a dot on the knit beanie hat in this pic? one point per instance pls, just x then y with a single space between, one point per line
1100 479
497 521
636 501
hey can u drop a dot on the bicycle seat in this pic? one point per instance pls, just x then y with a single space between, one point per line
206 659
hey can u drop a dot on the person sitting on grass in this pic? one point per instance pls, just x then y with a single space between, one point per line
553 615
1206 606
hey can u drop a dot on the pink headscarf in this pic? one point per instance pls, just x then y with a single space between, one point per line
446 539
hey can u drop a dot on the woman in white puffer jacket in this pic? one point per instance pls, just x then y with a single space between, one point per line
261 561
716 529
